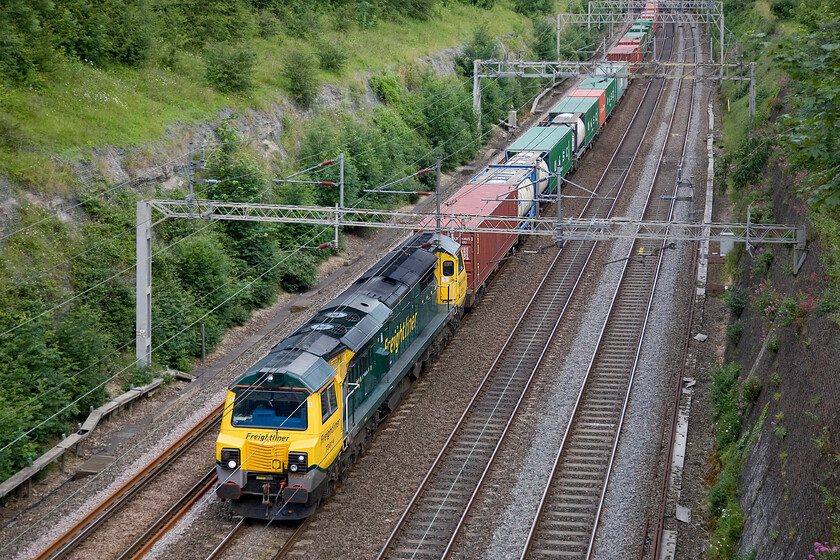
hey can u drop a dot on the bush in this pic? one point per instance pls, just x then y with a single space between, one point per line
734 332
782 9
297 272
532 7
751 388
230 68
737 300
332 55
482 46
761 262
544 45
300 70
367 13
268 24
723 385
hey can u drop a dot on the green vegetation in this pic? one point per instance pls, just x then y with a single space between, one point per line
729 399
67 287
734 331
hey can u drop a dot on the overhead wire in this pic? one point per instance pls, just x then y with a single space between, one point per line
227 179
326 228
157 252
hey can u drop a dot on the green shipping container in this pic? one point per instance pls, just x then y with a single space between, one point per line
609 85
588 107
556 144
645 27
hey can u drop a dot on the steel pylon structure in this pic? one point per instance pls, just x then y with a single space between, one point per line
558 230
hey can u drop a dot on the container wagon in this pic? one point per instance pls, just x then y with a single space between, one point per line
482 251
598 94
610 88
581 115
550 148
626 53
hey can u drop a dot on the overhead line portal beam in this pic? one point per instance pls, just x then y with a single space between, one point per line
590 230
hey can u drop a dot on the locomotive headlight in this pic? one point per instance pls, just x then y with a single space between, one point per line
230 457
298 462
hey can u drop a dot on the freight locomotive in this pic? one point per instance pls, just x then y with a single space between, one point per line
296 420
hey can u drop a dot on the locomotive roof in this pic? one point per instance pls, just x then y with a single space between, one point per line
348 321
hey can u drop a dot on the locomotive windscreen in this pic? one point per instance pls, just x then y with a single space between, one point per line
282 409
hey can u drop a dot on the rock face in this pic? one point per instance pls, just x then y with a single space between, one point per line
790 489
140 168
8 206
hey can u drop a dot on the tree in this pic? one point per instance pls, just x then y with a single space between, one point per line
482 46
300 70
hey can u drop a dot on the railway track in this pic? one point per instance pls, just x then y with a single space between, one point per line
431 522
238 533
567 518
97 518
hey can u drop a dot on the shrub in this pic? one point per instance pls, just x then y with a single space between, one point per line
734 331
332 55
230 68
761 262
782 9
387 88
421 9
297 272
728 428
723 385
300 69
268 24
544 45
481 46
773 342
737 300
367 14
532 7
751 388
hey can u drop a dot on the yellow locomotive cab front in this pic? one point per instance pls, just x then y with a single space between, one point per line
278 442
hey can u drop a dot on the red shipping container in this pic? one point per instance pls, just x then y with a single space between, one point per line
626 53
482 251
602 102
630 41
649 15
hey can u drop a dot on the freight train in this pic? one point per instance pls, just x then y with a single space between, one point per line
296 420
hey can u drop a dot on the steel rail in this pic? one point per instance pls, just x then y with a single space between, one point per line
168 520
623 175
287 546
227 540
74 536
652 292
659 525
588 381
